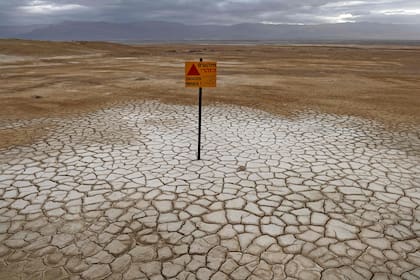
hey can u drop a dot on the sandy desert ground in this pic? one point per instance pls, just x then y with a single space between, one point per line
310 170
40 79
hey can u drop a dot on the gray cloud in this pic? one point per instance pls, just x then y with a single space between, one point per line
210 11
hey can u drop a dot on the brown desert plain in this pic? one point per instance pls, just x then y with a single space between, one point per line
310 163
40 79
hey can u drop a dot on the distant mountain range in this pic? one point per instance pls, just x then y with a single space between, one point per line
166 31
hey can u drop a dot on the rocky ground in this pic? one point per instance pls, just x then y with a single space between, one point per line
117 194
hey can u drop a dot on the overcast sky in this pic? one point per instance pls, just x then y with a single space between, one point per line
19 12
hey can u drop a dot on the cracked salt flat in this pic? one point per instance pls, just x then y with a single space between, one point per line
117 194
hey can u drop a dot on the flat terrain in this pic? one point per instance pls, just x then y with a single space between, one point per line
310 163
118 194
40 79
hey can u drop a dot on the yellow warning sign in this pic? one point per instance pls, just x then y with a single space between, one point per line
200 74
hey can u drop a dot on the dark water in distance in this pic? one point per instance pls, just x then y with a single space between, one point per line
276 42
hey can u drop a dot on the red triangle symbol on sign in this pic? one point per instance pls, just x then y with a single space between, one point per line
193 71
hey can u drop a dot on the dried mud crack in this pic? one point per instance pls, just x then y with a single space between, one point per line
118 194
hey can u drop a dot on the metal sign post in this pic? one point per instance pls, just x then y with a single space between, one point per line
198 75
200 93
